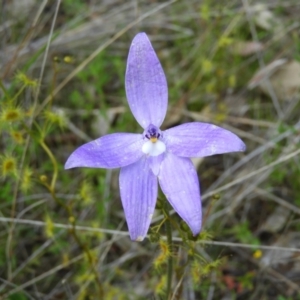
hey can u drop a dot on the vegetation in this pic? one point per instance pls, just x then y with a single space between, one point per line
63 233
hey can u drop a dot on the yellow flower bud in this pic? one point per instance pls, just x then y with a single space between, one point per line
43 178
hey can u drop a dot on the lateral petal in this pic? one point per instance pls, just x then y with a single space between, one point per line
110 151
138 189
145 83
201 139
179 182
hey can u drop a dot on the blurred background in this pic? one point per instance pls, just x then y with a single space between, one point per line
232 63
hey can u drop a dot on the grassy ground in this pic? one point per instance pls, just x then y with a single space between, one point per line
63 233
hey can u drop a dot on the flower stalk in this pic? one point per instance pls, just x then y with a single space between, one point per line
170 258
53 160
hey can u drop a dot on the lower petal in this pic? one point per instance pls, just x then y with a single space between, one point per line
138 189
179 182
155 162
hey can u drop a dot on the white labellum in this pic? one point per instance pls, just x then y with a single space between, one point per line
154 149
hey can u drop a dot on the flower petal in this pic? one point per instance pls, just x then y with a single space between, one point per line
179 182
145 83
155 162
110 151
201 139
138 188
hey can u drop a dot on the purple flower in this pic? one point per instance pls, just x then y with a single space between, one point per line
154 156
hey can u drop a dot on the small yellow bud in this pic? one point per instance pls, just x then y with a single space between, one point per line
220 72
56 59
86 276
222 113
161 285
49 228
26 182
86 193
83 295
211 86
257 254
17 137
204 13
98 234
56 117
71 220
216 196
8 165
196 273
43 178
11 114
65 259
225 41
207 66
29 111
68 59
232 81
200 269
165 253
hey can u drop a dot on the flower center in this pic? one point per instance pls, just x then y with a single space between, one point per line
153 146
152 133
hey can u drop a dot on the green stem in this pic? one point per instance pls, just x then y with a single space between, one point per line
170 258
19 93
4 89
53 160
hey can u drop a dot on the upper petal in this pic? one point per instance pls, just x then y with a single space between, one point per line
179 182
138 188
110 151
201 139
145 83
